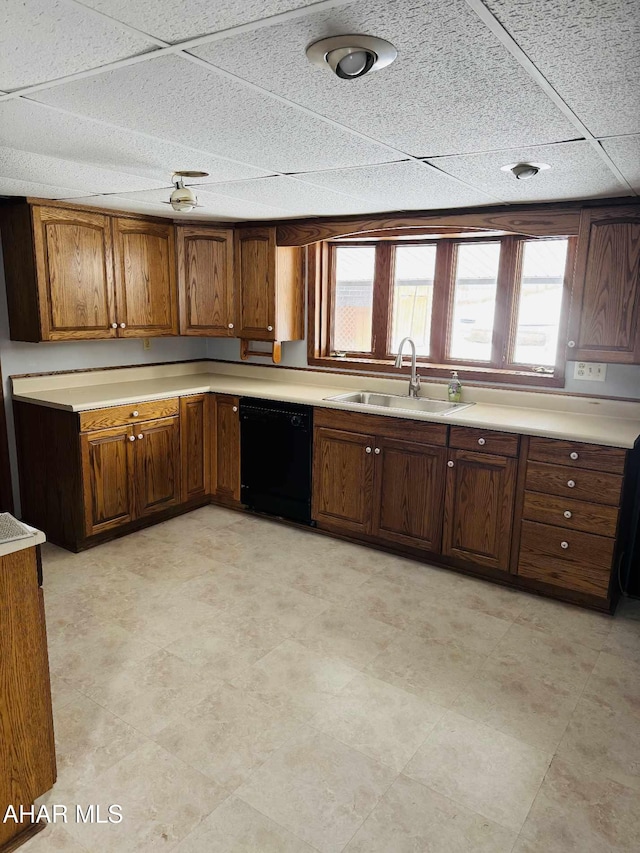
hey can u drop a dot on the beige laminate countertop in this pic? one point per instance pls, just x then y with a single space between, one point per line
593 420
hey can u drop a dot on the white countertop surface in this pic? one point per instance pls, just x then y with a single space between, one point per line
37 538
593 420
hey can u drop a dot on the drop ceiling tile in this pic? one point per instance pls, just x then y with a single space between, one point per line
12 187
173 21
625 153
211 205
400 186
178 100
577 171
588 50
39 168
35 127
296 197
45 39
453 88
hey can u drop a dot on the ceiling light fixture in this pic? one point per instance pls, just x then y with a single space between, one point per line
183 199
525 171
353 56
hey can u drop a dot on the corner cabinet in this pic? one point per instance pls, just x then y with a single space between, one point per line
208 304
270 286
605 311
225 454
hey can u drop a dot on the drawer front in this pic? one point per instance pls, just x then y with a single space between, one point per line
483 441
591 486
583 565
403 429
578 455
571 514
129 414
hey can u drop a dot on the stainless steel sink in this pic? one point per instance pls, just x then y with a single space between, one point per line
396 401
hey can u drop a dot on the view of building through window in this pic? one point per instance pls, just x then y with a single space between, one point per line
353 312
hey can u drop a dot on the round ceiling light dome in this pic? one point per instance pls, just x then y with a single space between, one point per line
525 171
183 199
352 56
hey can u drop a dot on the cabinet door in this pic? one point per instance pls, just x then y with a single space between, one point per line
606 298
205 281
343 479
408 495
75 274
107 476
194 441
255 272
227 447
479 506
157 482
146 289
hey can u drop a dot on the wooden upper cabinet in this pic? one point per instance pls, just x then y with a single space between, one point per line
145 275
205 281
270 287
605 311
479 507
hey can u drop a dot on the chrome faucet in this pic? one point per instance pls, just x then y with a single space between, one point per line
414 382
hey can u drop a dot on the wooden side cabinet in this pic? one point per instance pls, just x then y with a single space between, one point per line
605 311
205 281
107 477
195 442
27 752
225 456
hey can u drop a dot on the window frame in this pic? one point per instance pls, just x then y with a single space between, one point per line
501 369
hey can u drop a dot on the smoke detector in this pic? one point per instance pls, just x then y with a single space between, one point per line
525 171
183 199
353 56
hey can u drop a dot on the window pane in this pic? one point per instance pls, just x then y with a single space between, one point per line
353 298
413 296
474 301
540 302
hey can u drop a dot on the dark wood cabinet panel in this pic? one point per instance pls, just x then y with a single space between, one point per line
343 479
27 753
226 468
570 482
157 482
484 441
145 278
605 312
479 505
205 281
107 474
128 415
576 454
409 492
572 514
195 446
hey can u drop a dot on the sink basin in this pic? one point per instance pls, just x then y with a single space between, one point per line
396 401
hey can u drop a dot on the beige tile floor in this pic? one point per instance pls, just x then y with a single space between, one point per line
238 685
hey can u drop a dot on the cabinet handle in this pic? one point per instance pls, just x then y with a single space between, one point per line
564 545
114 325
141 435
367 450
269 328
132 438
230 326
482 441
123 325
234 409
573 455
571 483
567 514
450 463
571 344
377 451
135 414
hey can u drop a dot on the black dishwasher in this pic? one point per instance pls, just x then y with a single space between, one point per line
275 452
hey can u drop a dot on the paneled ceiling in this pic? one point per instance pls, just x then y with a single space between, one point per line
101 100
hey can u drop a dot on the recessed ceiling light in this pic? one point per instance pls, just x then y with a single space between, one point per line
353 56
524 171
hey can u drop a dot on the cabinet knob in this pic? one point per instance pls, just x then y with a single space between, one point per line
123 325
235 409
450 463
141 435
269 328
114 325
135 414
367 450
573 455
482 441
571 344
571 484
230 326
377 451
564 545
132 438
567 513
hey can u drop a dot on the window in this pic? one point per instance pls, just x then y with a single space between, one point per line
493 305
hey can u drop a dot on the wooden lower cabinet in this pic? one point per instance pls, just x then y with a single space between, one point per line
195 446
107 477
479 506
225 456
156 466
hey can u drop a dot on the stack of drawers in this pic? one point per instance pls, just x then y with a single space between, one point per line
570 514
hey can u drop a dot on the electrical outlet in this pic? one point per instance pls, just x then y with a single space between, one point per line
591 370
146 343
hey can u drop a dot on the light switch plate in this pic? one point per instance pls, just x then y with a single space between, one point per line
594 371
